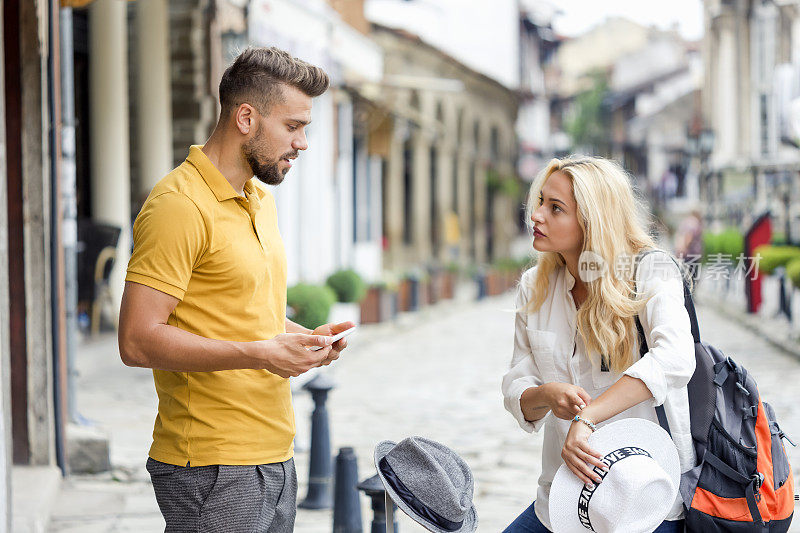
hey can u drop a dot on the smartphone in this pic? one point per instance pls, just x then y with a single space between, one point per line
335 338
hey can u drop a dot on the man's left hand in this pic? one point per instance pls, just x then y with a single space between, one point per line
338 346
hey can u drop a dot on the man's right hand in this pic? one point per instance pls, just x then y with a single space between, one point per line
288 354
566 400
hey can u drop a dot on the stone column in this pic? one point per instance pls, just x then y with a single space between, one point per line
444 194
5 366
481 192
421 212
725 122
110 147
395 217
153 94
37 205
464 204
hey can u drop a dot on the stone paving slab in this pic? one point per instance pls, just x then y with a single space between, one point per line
436 373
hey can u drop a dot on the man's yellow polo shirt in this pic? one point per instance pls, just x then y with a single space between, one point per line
221 255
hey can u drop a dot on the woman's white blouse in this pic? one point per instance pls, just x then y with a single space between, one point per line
548 349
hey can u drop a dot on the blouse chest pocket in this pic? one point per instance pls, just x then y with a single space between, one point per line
543 344
601 378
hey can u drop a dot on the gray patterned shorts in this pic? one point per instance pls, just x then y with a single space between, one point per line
226 498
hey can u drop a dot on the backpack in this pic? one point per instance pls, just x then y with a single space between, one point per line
742 481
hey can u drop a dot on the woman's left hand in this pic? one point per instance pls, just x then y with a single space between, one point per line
579 457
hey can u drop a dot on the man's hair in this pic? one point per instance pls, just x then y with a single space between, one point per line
257 75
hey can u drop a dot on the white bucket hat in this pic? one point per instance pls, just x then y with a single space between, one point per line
636 493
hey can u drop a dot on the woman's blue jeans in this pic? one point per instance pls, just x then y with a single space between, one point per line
528 522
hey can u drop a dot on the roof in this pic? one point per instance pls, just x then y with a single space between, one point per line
416 39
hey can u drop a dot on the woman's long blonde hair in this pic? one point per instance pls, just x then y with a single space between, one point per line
614 223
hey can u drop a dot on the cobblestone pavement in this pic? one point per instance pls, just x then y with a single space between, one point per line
435 374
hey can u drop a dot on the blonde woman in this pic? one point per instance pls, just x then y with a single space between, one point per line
580 301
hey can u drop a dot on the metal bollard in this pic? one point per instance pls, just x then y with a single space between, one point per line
346 507
373 487
785 300
319 469
415 289
480 279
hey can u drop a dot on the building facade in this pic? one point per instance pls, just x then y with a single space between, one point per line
752 58
452 144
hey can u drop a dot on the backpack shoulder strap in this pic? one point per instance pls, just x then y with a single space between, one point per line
688 304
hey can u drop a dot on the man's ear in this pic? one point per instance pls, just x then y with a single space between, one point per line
244 118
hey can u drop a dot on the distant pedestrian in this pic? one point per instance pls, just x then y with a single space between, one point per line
576 363
205 307
689 242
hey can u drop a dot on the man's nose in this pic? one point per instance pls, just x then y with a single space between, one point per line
300 142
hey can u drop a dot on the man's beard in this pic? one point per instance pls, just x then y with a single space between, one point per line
263 169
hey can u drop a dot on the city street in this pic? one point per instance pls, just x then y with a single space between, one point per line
435 374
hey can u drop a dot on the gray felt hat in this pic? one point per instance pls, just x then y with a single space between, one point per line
429 482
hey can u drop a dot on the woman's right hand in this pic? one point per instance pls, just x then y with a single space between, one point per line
566 400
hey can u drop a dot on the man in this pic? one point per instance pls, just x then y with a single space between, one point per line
205 307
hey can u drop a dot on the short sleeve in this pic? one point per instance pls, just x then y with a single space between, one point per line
169 238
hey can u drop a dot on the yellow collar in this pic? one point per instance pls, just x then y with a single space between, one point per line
218 184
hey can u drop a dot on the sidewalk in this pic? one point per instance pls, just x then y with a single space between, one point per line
434 373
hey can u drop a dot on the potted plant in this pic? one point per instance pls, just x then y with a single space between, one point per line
309 305
371 304
449 277
435 281
350 289
409 292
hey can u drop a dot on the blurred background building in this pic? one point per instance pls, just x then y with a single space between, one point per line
751 106
440 114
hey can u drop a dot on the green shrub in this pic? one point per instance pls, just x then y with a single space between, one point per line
793 271
524 263
348 286
310 304
710 245
773 257
506 264
731 242
453 268
778 238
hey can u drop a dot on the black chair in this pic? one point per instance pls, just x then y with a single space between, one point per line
97 251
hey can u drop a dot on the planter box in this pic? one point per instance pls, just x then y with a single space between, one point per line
512 276
410 295
448 285
424 293
495 283
435 288
371 306
404 296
